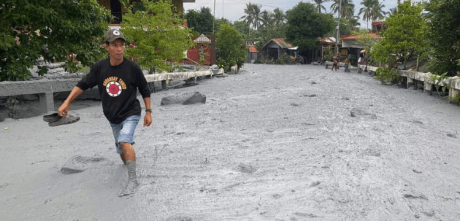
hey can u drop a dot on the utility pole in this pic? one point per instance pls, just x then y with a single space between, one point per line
214 15
223 7
338 30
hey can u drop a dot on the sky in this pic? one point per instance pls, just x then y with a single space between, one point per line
234 9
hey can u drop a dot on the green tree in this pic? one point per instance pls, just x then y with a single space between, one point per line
231 48
377 11
200 21
444 36
354 23
305 25
266 18
347 9
241 26
345 27
372 10
52 29
405 34
220 22
252 15
157 34
320 5
279 17
366 10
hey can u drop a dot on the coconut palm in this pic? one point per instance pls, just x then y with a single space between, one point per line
278 16
377 11
319 5
248 17
354 22
347 8
266 18
392 11
366 10
253 15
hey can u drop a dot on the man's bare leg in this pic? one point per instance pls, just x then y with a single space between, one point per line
130 156
122 156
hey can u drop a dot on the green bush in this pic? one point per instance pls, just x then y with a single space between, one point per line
386 75
231 48
283 59
52 29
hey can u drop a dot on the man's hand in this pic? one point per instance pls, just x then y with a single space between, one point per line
63 109
147 119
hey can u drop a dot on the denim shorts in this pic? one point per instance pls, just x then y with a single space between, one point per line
124 132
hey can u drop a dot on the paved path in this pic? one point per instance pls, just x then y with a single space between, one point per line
271 143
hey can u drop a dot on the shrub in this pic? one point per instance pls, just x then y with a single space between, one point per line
386 75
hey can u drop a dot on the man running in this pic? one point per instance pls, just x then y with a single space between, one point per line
118 79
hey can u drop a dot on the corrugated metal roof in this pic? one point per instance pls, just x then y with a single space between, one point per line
328 40
202 39
353 37
280 42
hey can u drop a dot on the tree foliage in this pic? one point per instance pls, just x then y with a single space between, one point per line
320 5
253 15
405 34
158 35
241 26
231 48
371 10
444 35
305 25
52 29
347 8
201 21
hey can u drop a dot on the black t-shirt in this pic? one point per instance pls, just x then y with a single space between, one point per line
117 87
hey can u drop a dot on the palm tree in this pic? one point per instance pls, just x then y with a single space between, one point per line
347 8
372 10
248 18
278 16
257 16
377 11
266 18
367 10
253 15
392 11
354 22
319 5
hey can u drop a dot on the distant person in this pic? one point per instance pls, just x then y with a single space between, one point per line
335 64
362 54
347 62
118 79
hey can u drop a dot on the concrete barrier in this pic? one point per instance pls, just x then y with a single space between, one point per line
428 83
46 88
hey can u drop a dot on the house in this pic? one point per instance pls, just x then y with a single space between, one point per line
275 48
117 9
325 47
252 52
352 46
201 52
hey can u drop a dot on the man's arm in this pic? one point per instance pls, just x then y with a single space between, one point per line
148 114
64 108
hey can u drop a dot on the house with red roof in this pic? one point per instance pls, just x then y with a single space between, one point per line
352 46
252 51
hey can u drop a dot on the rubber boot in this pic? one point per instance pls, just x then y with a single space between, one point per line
132 184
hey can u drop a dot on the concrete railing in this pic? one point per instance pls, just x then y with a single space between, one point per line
414 77
46 88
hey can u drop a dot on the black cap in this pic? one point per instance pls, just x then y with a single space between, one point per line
113 34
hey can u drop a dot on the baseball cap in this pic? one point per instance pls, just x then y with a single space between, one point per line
113 34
